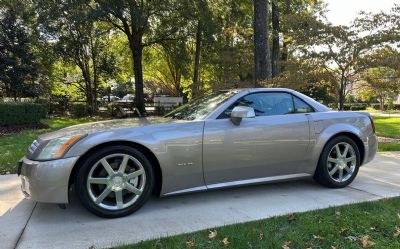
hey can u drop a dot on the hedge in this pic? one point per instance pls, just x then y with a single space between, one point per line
21 113
79 109
394 107
355 106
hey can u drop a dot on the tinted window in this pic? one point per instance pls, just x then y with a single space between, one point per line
264 104
301 106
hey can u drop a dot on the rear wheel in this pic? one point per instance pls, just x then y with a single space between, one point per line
115 181
339 163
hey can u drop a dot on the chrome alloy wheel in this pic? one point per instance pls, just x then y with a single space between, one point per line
342 161
116 181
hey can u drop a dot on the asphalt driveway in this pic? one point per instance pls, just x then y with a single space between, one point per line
25 224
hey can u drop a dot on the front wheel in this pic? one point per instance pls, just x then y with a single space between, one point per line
339 163
115 181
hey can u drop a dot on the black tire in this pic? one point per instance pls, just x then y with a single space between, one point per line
82 174
322 175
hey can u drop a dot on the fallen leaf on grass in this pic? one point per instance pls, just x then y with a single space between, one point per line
333 247
190 243
261 236
225 241
286 245
366 242
342 230
212 234
397 233
290 218
317 237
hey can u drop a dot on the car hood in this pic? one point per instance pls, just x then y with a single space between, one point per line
93 127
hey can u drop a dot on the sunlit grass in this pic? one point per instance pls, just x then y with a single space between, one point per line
13 147
389 147
387 126
336 227
374 111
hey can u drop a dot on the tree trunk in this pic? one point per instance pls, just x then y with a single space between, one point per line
137 52
382 103
284 52
262 62
84 66
342 92
275 39
94 106
196 70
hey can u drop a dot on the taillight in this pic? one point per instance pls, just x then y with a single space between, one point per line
372 124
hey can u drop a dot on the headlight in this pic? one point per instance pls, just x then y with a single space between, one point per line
56 148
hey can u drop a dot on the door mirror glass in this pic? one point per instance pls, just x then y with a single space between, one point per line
240 112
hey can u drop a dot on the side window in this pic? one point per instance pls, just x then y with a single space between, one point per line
264 104
301 106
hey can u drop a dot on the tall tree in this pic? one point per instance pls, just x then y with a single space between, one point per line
294 15
381 82
144 23
18 66
275 38
169 65
262 60
339 49
78 40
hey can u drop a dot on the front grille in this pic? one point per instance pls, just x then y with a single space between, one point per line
33 147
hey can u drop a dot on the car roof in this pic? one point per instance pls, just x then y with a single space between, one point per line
259 89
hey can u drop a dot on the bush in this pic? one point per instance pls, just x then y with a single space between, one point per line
355 106
112 109
375 106
79 110
21 113
388 106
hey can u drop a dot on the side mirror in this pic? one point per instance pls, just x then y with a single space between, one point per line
240 112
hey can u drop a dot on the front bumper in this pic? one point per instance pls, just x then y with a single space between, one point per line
46 181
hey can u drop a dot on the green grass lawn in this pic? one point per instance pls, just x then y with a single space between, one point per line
336 227
372 110
389 147
14 147
387 126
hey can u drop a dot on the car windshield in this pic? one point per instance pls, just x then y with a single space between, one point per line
201 107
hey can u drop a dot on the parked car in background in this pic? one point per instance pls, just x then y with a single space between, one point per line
223 139
128 98
110 98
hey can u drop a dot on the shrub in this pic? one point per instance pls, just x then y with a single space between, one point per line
79 109
355 106
21 113
388 106
375 106
112 109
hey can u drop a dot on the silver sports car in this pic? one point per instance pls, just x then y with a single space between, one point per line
223 139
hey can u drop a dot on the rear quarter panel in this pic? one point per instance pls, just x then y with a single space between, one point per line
325 125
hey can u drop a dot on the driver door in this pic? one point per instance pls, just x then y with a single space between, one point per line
274 143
